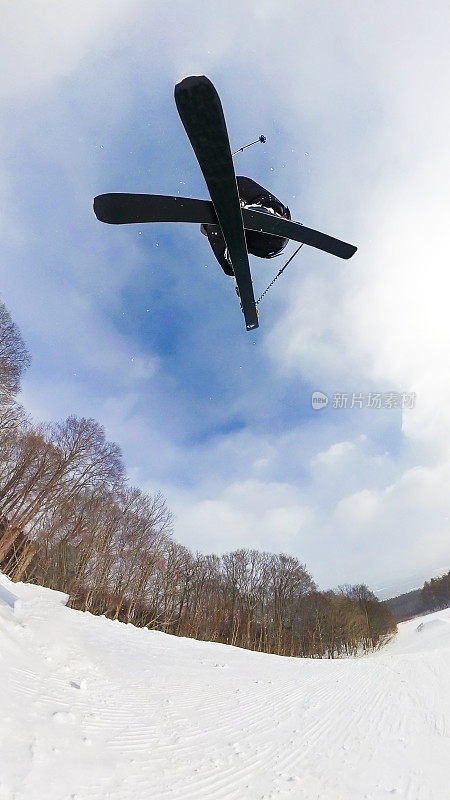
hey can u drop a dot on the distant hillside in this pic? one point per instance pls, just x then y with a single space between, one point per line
407 605
433 596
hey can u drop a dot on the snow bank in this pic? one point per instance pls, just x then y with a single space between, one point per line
422 634
95 709
7 597
17 592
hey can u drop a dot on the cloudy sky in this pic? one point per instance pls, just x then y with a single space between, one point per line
138 327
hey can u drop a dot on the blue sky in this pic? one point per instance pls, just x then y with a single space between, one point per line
138 327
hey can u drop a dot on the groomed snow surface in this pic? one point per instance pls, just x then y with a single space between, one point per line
92 708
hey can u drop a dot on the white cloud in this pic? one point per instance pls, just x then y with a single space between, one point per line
334 454
45 40
349 523
265 515
356 511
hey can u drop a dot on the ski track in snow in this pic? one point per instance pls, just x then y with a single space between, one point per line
94 709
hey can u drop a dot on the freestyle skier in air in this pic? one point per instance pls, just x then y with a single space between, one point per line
241 218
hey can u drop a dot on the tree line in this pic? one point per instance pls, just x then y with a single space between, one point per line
436 593
433 596
70 521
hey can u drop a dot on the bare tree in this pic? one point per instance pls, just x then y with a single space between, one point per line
50 465
14 358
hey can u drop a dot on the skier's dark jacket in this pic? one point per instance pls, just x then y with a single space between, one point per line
263 245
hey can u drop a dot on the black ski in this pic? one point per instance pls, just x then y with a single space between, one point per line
120 208
202 115
278 226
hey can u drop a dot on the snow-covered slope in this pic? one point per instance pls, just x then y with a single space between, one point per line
92 708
